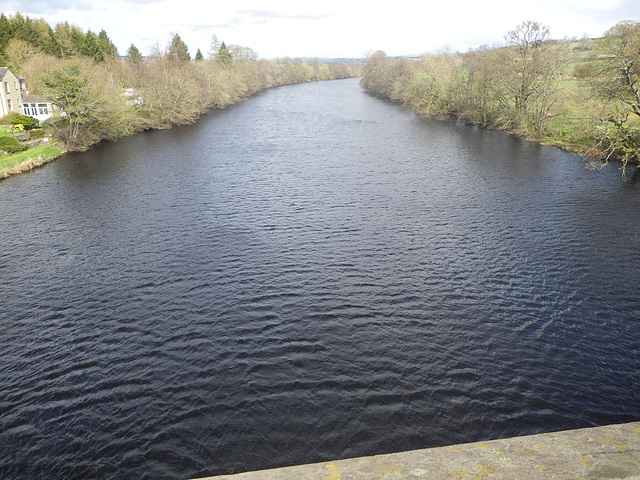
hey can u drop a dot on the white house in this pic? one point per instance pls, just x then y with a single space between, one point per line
11 90
37 106
14 97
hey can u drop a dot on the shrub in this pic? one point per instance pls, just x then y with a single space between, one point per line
10 145
14 118
37 133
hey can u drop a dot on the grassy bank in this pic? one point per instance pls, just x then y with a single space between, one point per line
28 160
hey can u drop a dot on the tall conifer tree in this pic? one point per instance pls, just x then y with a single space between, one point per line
92 47
224 56
109 49
133 55
178 50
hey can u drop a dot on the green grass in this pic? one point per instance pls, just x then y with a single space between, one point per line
31 158
6 130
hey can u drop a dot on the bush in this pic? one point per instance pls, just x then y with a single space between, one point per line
37 133
14 118
10 145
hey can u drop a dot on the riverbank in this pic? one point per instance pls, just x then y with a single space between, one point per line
611 452
29 159
559 93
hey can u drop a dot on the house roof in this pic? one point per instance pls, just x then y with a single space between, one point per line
3 72
35 99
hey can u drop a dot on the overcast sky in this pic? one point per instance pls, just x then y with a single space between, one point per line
328 28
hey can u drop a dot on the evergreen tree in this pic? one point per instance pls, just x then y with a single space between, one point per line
199 56
54 46
4 34
41 37
77 38
67 87
63 36
178 49
133 55
109 49
4 30
224 56
16 28
92 47
27 31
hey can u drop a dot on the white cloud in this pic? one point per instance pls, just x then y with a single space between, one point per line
598 4
330 28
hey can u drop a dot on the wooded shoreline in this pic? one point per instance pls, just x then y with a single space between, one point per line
579 95
582 96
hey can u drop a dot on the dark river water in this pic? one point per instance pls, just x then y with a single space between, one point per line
310 275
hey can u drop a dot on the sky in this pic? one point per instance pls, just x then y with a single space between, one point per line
327 28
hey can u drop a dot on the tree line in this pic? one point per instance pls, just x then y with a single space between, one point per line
21 37
584 95
104 96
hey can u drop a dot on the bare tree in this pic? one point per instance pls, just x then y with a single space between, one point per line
617 77
531 77
614 83
527 40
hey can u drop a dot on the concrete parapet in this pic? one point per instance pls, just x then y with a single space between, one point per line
610 452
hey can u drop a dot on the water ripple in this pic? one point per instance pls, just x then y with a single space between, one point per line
323 276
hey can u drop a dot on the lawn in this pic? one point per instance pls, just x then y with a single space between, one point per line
31 158
6 130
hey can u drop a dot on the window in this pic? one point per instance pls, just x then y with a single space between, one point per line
30 109
6 87
9 104
44 108
15 84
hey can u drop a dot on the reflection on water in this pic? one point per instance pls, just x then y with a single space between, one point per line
313 274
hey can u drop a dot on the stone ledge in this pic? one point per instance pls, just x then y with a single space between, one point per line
610 452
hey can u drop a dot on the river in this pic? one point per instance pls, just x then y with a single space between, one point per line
312 274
